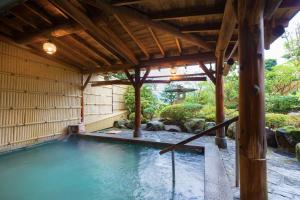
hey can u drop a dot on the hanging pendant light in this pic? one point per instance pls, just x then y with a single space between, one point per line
173 71
49 47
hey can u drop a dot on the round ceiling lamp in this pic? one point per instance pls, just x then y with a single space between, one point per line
49 47
173 71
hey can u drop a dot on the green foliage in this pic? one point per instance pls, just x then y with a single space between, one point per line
275 120
132 117
231 90
282 104
283 79
181 112
204 95
149 101
168 97
270 63
208 112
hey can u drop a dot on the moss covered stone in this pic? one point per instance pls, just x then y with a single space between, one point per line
298 152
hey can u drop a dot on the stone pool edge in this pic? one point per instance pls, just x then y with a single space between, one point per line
216 182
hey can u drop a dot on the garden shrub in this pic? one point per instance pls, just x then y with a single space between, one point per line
208 112
181 112
149 101
282 104
275 120
132 117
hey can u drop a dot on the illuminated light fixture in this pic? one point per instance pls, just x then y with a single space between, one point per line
173 70
49 47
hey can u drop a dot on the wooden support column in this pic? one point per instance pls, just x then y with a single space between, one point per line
220 115
252 151
82 94
137 94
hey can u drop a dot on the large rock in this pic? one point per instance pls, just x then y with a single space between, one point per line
231 132
173 128
297 149
271 138
287 138
130 124
209 125
194 124
155 126
120 123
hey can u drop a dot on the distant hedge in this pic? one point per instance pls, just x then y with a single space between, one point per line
181 112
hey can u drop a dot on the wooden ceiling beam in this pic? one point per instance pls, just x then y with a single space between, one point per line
11 24
156 41
187 13
37 11
227 28
134 15
127 2
126 27
178 45
207 72
91 49
92 29
24 19
201 28
64 47
166 62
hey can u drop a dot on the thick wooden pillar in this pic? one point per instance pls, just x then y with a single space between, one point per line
137 89
253 183
220 115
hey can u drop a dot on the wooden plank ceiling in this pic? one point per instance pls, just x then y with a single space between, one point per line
110 36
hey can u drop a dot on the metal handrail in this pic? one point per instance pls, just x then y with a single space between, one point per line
223 124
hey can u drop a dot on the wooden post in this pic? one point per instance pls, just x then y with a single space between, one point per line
82 101
220 116
253 179
137 89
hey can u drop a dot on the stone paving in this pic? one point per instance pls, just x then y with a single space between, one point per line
283 169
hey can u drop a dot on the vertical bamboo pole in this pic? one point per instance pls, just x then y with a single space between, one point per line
220 116
253 144
82 101
137 89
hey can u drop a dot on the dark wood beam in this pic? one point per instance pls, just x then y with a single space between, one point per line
178 45
87 81
127 82
270 8
63 46
84 44
199 28
156 41
11 24
252 138
145 76
129 76
137 101
127 2
92 29
186 13
207 72
23 18
290 4
126 27
179 75
37 11
227 28
143 19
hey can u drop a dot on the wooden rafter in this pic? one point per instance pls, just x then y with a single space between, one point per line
82 57
207 72
11 24
37 11
186 13
227 27
84 44
178 45
143 19
92 29
126 27
127 2
24 19
156 41
199 28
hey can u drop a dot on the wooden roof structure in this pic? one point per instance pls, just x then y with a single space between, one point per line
113 35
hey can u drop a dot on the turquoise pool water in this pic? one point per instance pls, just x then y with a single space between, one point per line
91 170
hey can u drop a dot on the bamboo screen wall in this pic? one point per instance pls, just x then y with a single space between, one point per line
102 101
40 98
